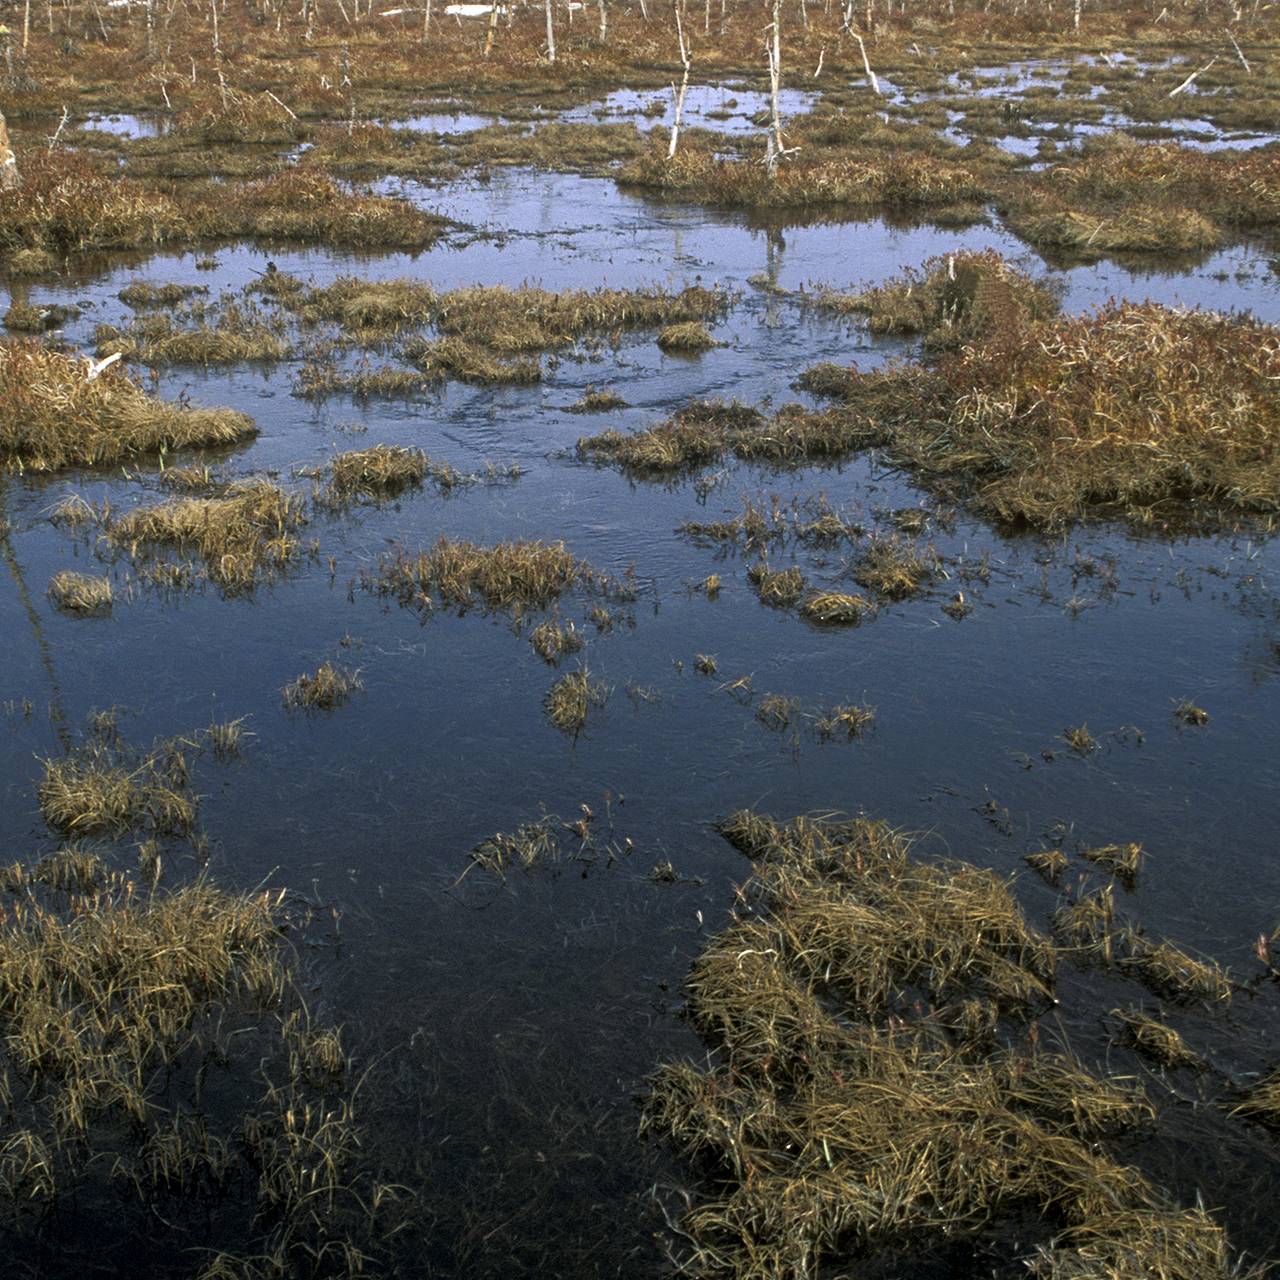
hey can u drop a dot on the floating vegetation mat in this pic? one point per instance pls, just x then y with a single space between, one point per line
877 1089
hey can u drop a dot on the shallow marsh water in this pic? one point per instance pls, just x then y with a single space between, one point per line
514 1021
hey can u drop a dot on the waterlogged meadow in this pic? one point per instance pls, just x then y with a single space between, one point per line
602 679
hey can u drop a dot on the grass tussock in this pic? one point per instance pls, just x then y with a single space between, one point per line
571 698
843 721
859 1098
82 594
777 587
23 317
1048 863
321 379
690 338
1080 740
378 472
369 309
1172 972
324 689
512 322
237 335
903 180
60 413
244 533
553 640
951 300
143 296
507 575
836 609
465 361
895 569
104 788
597 400
68 203
1134 229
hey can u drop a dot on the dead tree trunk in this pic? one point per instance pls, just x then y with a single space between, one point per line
551 34
773 48
10 179
684 86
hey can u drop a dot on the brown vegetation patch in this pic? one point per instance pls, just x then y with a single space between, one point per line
324 689
1132 410
60 413
243 533
82 594
571 698
860 1097
950 300
507 575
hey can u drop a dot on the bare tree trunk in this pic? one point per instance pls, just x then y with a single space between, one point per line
604 21
774 51
684 85
551 34
10 179
493 29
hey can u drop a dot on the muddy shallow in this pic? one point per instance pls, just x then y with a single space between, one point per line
518 1019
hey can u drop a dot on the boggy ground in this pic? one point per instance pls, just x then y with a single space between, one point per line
480 693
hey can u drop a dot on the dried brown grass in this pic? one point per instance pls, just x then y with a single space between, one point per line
58 414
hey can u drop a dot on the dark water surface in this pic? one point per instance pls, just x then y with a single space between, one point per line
515 1022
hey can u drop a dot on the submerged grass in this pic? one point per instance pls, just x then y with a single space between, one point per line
1262 1101
860 1102
156 1052
63 411
1154 1039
